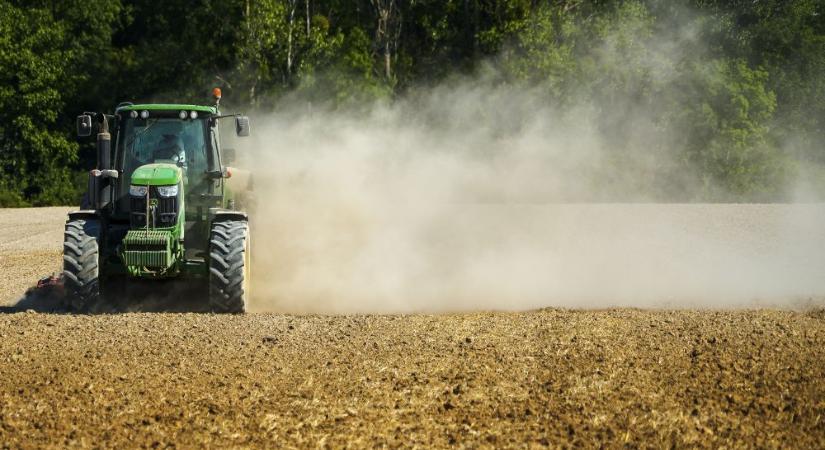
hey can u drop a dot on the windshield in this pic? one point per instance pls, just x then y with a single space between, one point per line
164 140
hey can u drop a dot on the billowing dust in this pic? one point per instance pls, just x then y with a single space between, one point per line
466 198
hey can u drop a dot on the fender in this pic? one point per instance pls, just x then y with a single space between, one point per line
83 214
224 214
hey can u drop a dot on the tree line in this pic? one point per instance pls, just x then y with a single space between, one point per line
738 86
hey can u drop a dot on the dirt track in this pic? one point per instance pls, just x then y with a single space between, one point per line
549 377
30 248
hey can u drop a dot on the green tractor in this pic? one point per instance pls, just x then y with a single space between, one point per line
158 207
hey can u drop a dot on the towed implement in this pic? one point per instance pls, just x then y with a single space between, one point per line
159 207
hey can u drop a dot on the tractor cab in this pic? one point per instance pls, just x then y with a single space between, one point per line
172 149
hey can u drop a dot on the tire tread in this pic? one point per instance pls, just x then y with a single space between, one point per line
80 264
226 266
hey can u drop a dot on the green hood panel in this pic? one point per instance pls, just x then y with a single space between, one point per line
157 175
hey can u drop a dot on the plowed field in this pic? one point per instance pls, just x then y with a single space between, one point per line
550 377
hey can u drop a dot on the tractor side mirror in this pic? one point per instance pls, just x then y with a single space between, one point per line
84 125
242 126
227 156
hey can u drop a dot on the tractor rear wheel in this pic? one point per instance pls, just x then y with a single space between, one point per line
229 266
81 269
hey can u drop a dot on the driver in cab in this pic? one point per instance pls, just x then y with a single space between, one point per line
170 148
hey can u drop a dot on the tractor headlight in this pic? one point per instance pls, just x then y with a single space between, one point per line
138 191
168 191
182 115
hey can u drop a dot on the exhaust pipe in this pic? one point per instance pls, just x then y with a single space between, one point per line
101 179
104 146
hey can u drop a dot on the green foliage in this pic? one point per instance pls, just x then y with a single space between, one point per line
539 52
35 155
339 71
728 96
724 110
262 53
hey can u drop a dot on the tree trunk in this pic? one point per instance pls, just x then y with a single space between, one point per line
307 7
387 61
385 12
292 6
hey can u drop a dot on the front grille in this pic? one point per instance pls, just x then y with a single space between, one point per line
150 249
166 212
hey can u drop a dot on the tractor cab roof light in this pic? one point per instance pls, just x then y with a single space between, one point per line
182 115
144 114
133 114
193 115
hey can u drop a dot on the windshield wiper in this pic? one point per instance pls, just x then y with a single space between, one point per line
136 135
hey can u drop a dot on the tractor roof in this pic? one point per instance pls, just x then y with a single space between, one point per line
166 107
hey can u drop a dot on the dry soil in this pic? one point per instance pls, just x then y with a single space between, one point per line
551 377
30 248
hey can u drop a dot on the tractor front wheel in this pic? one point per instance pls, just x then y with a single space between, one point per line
229 266
81 268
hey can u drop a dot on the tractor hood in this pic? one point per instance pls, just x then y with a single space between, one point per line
157 175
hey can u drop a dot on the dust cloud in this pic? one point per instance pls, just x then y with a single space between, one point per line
464 197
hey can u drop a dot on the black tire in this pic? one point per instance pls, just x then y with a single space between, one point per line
81 269
229 266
